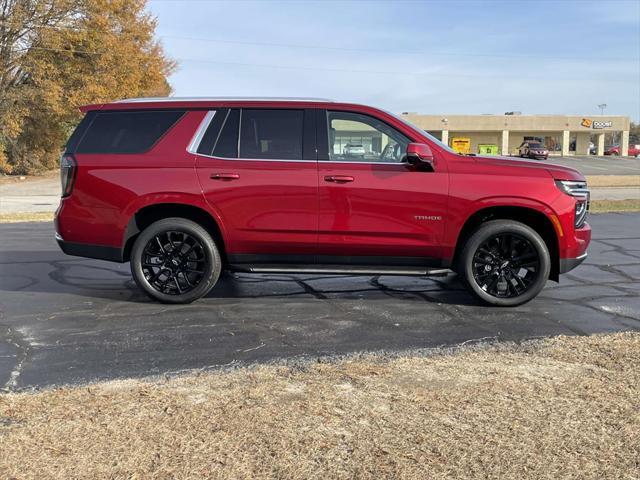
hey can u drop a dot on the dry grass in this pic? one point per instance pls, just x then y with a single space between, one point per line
559 408
26 217
49 174
613 180
604 206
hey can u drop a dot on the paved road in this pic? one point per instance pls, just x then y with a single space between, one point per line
68 320
606 165
43 195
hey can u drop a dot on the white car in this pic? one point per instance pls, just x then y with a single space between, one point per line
354 150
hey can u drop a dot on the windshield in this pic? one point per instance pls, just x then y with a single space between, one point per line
423 133
536 145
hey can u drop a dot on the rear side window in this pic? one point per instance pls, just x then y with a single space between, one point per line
127 132
271 134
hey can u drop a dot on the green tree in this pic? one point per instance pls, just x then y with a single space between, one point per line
56 55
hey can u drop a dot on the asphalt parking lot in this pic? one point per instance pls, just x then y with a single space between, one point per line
69 320
594 165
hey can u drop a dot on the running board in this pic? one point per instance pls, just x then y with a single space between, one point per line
341 270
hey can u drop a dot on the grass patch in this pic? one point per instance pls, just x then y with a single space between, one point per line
604 206
26 217
565 407
613 180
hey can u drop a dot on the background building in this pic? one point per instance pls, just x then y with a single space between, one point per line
503 134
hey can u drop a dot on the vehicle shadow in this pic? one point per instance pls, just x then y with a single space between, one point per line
50 272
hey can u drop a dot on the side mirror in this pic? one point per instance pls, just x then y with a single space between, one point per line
418 153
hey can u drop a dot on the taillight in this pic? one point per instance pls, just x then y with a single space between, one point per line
68 170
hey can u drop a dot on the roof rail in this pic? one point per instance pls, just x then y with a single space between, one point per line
221 99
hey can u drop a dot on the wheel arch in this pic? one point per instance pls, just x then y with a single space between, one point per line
531 217
148 214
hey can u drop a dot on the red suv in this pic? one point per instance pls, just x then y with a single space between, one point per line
183 188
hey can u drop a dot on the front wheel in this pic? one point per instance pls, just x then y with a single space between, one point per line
505 263
175 260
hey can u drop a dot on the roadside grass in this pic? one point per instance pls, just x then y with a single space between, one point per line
613 180
26 217
565 407
609 206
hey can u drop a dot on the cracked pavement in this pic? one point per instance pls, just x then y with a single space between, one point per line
68 320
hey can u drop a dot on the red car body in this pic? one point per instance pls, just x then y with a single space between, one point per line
312 211
634 150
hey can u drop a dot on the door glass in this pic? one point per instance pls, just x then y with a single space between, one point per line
354 137
271 134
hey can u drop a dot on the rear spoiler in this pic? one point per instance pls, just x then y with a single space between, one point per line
94 106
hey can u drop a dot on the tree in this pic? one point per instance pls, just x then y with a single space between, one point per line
56 55
634 133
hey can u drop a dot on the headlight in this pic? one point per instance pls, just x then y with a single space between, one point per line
580 192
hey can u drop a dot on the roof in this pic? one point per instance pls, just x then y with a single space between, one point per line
204 102
223 99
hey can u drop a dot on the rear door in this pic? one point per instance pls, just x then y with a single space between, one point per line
258 172
376 208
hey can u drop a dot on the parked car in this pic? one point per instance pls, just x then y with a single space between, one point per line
354 150
634 150
183 189
612 150
533 150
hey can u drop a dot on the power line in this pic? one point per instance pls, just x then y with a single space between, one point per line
343 70
348 49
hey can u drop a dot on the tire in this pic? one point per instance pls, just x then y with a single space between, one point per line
181 255
521 279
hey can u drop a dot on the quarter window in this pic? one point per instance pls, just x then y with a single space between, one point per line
354 137
127 132
271 134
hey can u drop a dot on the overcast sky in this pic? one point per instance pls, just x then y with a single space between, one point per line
432 56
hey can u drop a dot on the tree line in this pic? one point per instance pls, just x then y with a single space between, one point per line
56 55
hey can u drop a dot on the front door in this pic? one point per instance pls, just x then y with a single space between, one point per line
258 172
374 208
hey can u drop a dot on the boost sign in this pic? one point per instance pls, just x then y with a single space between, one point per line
596 124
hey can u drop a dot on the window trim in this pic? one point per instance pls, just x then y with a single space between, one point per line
194 144
355 162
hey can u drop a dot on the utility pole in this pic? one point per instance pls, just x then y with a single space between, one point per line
602 106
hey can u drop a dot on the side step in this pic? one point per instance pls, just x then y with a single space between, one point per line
341 270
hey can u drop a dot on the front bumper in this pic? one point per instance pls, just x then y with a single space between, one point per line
568 264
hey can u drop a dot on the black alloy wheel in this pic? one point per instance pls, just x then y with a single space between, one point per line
175 260
505 263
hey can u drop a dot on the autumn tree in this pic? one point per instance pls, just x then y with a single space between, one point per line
56 55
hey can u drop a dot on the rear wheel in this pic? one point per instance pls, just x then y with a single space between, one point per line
505 263
175 260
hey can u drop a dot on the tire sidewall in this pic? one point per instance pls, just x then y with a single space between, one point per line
505 226
212 256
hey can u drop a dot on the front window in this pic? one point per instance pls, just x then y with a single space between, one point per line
354 137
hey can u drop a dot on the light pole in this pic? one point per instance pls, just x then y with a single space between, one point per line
602 106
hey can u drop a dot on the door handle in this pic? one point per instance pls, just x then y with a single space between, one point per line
224 176
339 178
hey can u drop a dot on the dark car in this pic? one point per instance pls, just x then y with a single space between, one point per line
533 150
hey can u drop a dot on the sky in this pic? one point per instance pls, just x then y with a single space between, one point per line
430 56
